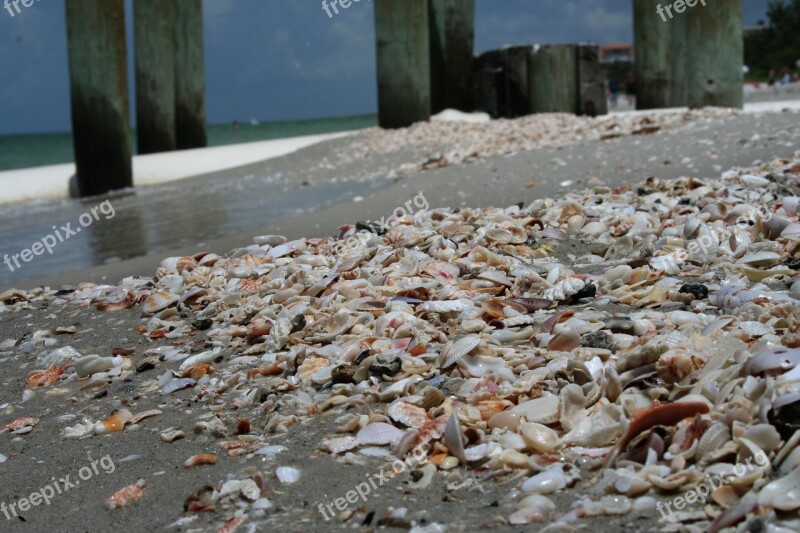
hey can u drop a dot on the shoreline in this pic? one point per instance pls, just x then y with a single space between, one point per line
54 182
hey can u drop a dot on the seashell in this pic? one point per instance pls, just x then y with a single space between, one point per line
547 482
287 474
20 423
544 410
379 433
453 351
564 342
158 301
126 495
172 435
432 397
772 362
144 415
759 259
713 439
407 414
667 414
505 420
340 444
201 459
449 306
765 436
783 493
619 275
114 423
453 438
177 384
498 308
539 438
564 289
500 235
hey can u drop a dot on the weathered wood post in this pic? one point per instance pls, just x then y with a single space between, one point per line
652 49
99 95
516 69
452 40
403 60
715 54
591 82
190 97
677 50
553 71
155 76
490 83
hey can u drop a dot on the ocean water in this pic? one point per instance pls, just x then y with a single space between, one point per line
32 150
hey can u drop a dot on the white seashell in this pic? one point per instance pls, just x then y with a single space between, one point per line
765 436
544 410
204 357
754 181
453 438
564 289
759 259
379 433
546 482
453 351
158 301
449 306
754 329
407 414
713 439
783 493
177 384
619 275
479 366
539 438
287 474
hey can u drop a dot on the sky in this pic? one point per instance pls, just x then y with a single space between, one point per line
282 59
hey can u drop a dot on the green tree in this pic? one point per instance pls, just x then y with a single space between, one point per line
778 45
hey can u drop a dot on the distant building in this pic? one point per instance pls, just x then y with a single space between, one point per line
616 53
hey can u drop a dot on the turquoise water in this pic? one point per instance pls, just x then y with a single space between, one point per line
33 150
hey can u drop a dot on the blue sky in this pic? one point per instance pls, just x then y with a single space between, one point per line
282 59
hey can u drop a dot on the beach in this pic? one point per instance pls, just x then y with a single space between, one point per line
313 195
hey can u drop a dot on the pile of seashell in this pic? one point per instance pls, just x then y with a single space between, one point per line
634 340
451 143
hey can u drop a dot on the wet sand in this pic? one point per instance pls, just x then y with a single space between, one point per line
35 458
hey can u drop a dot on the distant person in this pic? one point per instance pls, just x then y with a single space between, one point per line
785 76
772 78
613 91
235 126
630 89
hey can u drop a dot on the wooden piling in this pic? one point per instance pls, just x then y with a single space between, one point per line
452 39
553 72
155 76
652 47
99 95
190 98
403 62
715 54
591 82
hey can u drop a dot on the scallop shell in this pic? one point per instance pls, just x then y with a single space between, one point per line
453 351
379 433
453 438
619 275
407 414
158 301
760 259
713 439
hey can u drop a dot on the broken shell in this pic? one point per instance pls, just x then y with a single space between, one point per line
126 495
201 459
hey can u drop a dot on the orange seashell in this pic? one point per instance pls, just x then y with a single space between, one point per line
122 351
140 329
19 423
113 424
158 334
438 459
419 349
495 308
564 342
126 496
201 459
47 377
197 371
268 370
489 408
666 414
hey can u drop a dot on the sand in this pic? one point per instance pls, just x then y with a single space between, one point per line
35 458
